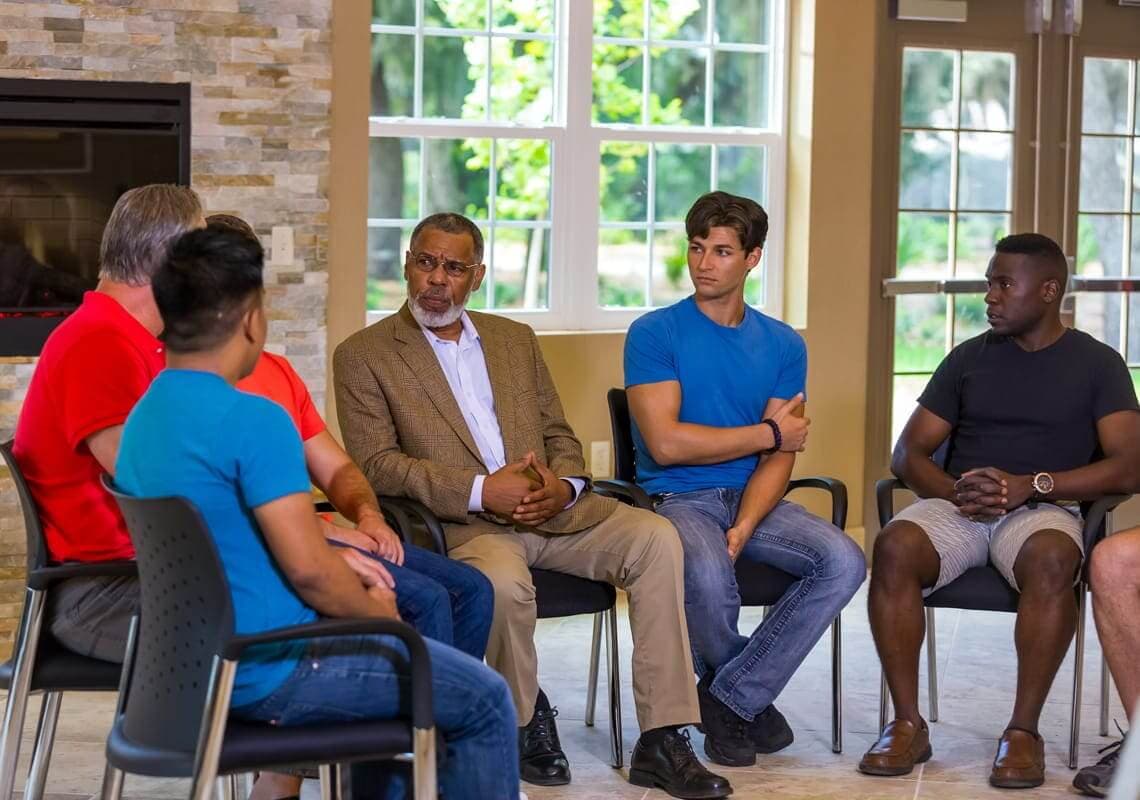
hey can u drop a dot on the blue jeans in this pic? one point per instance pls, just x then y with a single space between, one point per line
354 678
443 599
750 671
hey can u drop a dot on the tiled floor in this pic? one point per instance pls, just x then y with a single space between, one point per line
976 663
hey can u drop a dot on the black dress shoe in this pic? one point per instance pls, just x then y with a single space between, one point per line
726 732
769 731
668 762
541 760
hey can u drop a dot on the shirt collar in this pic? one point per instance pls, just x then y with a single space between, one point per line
468 336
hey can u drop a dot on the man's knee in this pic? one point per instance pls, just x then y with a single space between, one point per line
513 592
844 560
901 548
1115 564
1047 562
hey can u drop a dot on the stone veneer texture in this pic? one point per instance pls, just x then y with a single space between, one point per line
261 89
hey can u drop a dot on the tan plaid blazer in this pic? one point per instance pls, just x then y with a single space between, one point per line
403 426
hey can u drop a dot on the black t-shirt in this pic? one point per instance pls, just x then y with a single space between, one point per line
1027 412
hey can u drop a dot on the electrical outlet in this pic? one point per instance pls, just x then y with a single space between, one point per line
600 459
281 249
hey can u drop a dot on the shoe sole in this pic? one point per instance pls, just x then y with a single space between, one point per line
747 758
545 782
767 751
1016 784
1090 789
650 780
894 772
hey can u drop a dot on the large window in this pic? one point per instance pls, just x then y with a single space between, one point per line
576 133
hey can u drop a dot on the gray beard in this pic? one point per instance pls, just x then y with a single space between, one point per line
432 319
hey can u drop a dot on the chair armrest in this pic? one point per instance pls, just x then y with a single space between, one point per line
835 487
884 498
419 667
403 512
626 491
1094 515
44 577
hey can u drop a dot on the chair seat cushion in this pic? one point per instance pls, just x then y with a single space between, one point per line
760 584
978 589
560 595
60 670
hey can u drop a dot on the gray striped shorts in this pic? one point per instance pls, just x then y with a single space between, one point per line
962 543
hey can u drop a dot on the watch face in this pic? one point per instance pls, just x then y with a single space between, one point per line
1043 483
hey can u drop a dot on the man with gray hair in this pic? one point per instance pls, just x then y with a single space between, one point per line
92 370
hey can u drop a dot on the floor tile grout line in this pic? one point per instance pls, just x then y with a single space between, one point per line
918 781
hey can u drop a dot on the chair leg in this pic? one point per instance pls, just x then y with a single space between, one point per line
931 665
1105 679
41 754
327 773
227 787
592 679
27 640
112 783
617 747
213 728
424 776
836 686
884 699
1078 675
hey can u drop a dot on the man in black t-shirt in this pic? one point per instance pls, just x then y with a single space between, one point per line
1035 417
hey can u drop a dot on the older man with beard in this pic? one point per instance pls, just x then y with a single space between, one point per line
457 410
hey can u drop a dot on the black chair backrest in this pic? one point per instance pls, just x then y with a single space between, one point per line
186 616
33 530
625 454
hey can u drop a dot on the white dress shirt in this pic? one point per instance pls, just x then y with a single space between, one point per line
465 368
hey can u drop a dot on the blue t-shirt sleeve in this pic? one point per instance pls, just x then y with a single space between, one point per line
268 451
793 370
649 356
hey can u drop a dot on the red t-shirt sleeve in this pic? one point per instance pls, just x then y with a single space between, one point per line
307 416
96 385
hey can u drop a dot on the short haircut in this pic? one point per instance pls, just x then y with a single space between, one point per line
141 228
1047 254
205 287
231 222
450 222
724 210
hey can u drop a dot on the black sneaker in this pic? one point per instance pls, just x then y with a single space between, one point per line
769 731
541 760
1096 780
726 732
665 759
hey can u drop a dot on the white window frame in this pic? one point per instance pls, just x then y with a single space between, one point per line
576 143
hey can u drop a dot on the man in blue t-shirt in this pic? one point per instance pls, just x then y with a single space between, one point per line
715 391
238 457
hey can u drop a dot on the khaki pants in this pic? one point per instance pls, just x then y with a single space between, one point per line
633 549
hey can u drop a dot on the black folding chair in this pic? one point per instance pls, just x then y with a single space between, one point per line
984 589
173 714
39 663
760 584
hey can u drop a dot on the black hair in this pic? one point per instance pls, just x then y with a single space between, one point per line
205 286
724 210
1045 252
450 222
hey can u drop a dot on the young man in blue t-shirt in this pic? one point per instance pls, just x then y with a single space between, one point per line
715 391
238 458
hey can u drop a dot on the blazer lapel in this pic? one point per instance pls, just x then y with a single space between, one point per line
418 354
496 353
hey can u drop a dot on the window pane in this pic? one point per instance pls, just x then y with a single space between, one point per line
386 288
920 332
617 83
623 18
683 174
969 317
393 64
754 284
448 82
523 179
1098 315
677 82
743 171
469 14
1133 328
977 235
984 171
623 261
1134 266
526 16
394 12
1100 245
670 280
928 88
923 245
624 181
987 80
679 19
394 178
1136 380
907 389
1136 171
457 177
740 93
522 90
924 169
744 21
1104 167
1104 104
521 267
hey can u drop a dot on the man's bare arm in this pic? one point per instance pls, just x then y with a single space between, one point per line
104 445
925 431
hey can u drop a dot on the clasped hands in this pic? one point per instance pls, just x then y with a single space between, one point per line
987 493
526 491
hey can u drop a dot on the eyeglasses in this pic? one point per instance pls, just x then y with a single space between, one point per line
426 262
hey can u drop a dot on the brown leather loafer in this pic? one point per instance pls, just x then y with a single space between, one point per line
901 745
1020 760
